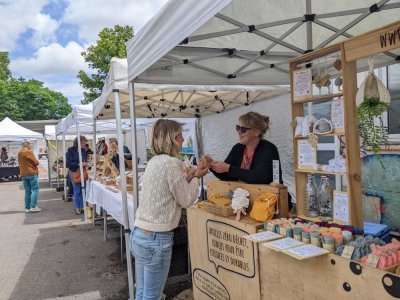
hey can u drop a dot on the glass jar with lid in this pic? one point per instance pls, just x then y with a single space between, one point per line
311 197
325 197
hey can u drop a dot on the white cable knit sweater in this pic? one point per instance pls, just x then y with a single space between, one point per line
165 192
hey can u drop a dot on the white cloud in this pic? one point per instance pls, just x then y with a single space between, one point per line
18 16
44 31
53 59
70 88
91 16
57 67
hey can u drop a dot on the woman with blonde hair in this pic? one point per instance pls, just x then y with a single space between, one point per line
28 169
166 189
250 160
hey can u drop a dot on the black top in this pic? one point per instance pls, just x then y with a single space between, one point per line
260 171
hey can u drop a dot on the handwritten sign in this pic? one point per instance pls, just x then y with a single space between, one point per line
305 251
307 155
275 171
302 84
283 244
337 115
340 207
263 236
228 249
210 285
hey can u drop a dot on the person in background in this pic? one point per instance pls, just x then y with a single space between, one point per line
3 155
72 157
114 140
87 149
167 188
250 160
115 158
28 169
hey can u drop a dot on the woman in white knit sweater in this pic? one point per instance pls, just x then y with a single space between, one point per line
166 189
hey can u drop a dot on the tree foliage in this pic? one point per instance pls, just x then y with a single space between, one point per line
111 44
5 72
22 99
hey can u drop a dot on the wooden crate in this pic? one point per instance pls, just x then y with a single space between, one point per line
224 211
224 264
255 190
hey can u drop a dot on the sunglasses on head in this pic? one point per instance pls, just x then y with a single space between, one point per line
241 129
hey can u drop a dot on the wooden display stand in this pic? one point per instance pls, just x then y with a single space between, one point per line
349 133
330 276
324 277
224 264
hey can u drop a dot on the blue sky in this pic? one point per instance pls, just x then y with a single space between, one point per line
44 38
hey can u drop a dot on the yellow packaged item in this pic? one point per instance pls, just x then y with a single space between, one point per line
218 200
264 207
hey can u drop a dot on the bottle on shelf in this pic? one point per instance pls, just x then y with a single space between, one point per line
311 200
325 197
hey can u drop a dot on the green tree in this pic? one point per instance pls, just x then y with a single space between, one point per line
111 44
22 99
5 72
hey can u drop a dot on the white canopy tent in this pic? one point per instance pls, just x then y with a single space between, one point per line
240 42
13 132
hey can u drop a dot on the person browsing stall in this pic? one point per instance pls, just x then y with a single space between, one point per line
72 163
28 169
250 160
166 189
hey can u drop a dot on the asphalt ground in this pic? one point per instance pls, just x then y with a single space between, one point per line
55 254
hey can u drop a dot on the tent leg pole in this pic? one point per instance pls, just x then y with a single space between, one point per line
123 190
65 174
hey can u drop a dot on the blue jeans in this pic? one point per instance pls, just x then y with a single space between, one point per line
152 252
31 186
78 200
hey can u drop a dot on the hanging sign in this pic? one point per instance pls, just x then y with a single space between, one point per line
337 115
302 84
307 155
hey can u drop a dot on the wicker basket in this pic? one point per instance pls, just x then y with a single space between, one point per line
210 207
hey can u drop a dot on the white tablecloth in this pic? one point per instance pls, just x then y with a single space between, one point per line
100 195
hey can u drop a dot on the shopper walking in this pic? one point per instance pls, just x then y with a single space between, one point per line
167 188
28 170
72 157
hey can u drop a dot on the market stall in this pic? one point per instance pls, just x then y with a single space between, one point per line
232 43
11 132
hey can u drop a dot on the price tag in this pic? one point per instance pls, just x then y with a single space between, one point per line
282 231
372 260
347 252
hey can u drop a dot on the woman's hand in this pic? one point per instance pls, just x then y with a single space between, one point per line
84 164
209 160
200 172
196 173
220 166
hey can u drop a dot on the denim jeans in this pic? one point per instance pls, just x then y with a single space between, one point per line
152 252
31 186
78 200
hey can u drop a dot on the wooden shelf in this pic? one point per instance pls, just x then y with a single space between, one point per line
319 172
319 98
312 219
328 134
